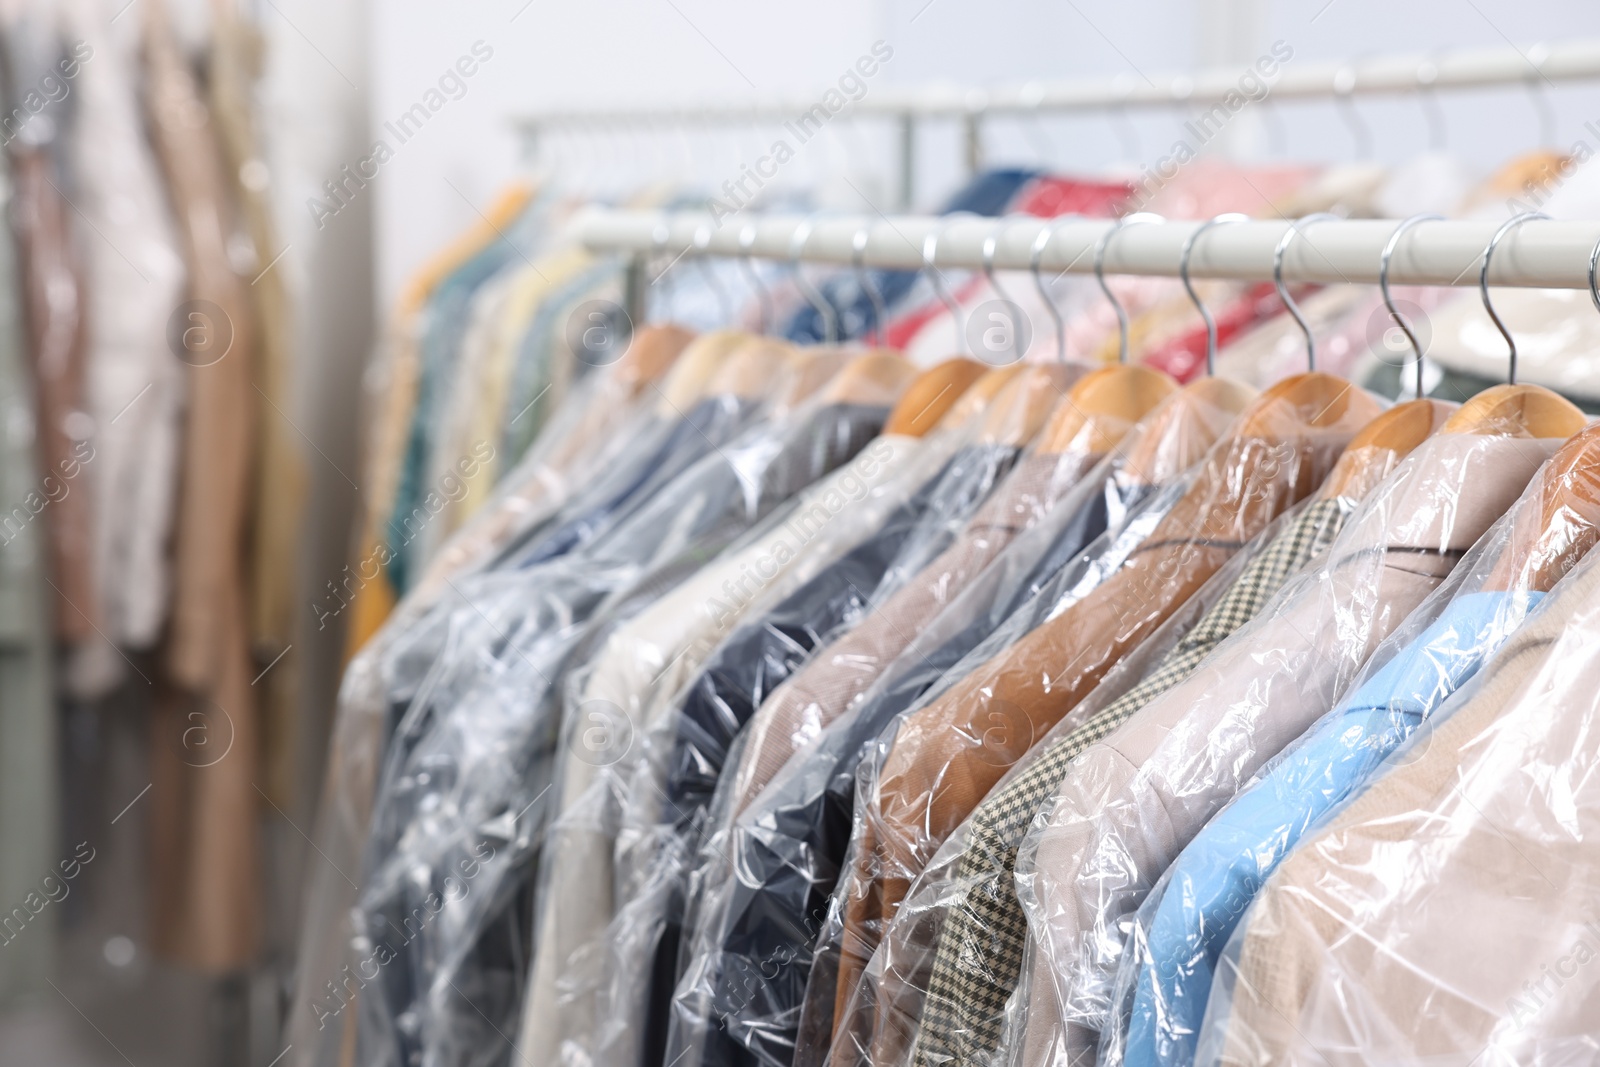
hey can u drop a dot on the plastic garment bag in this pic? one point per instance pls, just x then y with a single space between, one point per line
625 690
1130 802
766 878
684 754
941 760
1181 929
886 1006
605 419
467 774
1445 914
964 910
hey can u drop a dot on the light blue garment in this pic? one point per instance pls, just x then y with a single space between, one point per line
1219 873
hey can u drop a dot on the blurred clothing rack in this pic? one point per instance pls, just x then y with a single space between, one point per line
1543 254
1535 66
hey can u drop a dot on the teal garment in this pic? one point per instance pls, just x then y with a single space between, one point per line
1209 887
29 797
444 320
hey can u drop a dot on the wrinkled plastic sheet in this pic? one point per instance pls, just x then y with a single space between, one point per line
766 869
466 778
924 778
1132 801
1446 913
1178 934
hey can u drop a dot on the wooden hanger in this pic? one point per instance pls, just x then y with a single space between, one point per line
815 366
754 368
1310 400
1103 406
931 394
1184 427
651 354
1517 411
686 383
980 394
1546 542
1372 453
1023 406
877 376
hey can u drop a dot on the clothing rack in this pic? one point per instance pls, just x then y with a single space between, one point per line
1535 66
1539 253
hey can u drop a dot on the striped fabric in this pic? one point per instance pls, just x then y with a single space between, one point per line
980 950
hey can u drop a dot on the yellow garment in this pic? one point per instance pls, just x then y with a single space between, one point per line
395 395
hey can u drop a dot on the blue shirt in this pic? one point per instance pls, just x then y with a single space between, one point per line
1218 874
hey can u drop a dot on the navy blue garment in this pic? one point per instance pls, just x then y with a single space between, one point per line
761 655
791 842
988 194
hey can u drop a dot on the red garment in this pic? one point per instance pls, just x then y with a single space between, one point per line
1184 356
1044 198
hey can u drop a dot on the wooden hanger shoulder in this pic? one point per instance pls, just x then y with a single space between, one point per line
1103 405
1518 411
651 353
931 394
1546 543
1372 453
1019 412
753 368
877 376
1308 401
1178 435
814 367
690 376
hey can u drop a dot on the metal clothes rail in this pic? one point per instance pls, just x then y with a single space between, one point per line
1535 66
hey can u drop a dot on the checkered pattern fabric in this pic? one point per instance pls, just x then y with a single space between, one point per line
980 950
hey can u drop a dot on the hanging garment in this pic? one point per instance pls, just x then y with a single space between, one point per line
683 757
946 755
54 304
739 998
1182 927
630 680
203 805
1131 801
583 439
979 950
135 385
29 790
473 759
391 391
881 1015
1445 913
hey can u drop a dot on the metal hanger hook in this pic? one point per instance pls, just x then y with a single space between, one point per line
930 250
1188 286
858 256
1034 255
1284 242
797 248
702 241
1100 247
991 244
1383 286
747 240
1483 286
1594 261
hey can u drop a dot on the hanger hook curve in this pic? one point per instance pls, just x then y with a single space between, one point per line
1100 247
1034 255
1183 275
1284 242
797 247
1383 286
1483 286
858 256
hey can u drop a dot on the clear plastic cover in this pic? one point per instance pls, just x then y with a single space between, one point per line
626 690
883 1014
926 776
1445 914
763 880
469 687
1130 802
1165 977
959 937
620 688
